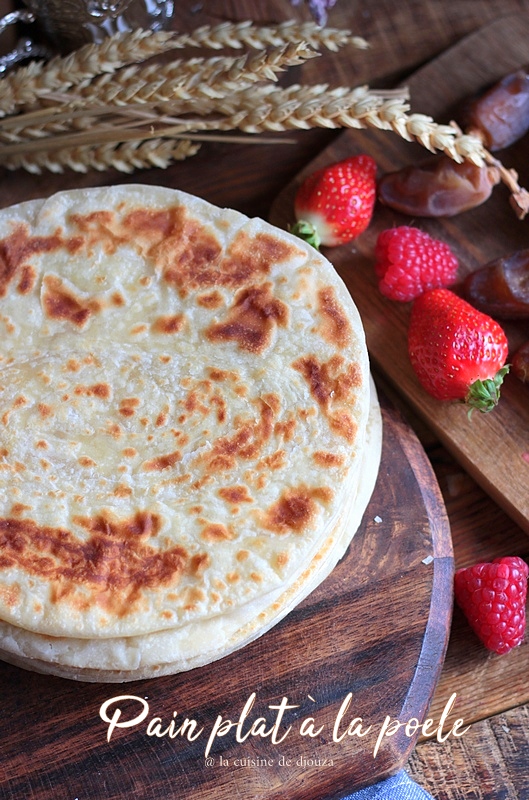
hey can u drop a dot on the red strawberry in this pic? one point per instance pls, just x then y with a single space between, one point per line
409 262
335 204
492 596
457 352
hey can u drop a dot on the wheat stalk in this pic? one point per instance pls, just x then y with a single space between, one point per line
200 79
123 157
282 110
194 78
101 107
294 108
247 34
27 84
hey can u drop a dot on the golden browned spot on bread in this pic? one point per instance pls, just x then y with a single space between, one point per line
210 299
19 402
274 461
10 328
72 365
199 563
117 299
324 458
17 509
85 461
235 494
335 326
191 258
99 228
250 257
286 428
251 320
59 302
172 323
122 491
112 429
245 443
27 280
192 596
128 406
16 251
296 509
221 406
333 382
160 463
181 248
9 595
220 375
216 532
101 390
110 568
129 452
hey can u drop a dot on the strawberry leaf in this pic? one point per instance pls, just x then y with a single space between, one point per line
306 231
484 395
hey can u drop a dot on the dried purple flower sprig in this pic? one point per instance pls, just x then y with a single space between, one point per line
318 8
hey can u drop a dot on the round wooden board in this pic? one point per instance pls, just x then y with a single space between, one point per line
374 632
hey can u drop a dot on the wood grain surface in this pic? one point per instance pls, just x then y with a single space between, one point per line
493 447
377 628
488 763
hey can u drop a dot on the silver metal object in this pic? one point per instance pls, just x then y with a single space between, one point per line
25 47
68 24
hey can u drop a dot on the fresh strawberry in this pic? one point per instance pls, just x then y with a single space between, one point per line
409 262
492 596
457 352
335 204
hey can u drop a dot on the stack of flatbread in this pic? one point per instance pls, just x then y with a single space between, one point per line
188 432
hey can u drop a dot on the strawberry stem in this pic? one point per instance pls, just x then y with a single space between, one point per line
306 231
485 394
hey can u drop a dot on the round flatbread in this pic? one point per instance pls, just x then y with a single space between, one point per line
184 411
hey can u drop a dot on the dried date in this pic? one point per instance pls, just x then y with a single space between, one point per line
438 188
520 363
501 287
501 114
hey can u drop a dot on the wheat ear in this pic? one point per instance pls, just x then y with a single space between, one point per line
123 157
27 84
246 34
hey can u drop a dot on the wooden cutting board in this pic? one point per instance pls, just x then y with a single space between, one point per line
494 447
376 630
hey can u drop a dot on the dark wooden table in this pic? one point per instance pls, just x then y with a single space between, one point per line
490 761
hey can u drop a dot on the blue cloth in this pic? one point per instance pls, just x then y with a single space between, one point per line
398 787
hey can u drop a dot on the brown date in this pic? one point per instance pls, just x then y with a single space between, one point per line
501 113
439 187
520 363
501 287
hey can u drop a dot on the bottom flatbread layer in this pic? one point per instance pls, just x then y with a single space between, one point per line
199 643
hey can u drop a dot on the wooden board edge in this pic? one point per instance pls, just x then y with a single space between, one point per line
437 634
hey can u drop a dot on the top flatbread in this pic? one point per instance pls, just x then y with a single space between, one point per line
184 395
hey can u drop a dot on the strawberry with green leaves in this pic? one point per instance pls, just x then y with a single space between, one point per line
335 204
456 351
